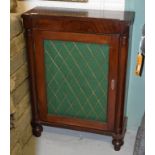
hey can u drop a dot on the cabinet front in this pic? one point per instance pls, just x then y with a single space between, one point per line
76 78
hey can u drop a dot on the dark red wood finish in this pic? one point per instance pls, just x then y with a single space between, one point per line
104 27
112 41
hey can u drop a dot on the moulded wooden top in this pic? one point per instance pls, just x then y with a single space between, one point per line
124 16
78 21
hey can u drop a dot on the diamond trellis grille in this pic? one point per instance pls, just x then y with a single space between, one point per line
76 79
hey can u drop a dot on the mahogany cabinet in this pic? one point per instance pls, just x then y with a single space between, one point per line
77 65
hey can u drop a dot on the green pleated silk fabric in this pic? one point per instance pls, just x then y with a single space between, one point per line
77 79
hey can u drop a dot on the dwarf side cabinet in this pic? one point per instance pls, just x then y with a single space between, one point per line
77 66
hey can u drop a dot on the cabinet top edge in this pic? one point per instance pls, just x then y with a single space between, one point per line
123 16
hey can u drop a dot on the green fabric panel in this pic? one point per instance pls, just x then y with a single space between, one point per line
77 79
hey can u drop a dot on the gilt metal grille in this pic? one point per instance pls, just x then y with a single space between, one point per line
76 79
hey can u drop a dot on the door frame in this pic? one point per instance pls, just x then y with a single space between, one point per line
112 41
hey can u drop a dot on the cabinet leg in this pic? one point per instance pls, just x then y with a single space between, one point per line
118 138
37 129
117 143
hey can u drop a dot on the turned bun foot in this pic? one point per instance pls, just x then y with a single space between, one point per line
117 144
37 129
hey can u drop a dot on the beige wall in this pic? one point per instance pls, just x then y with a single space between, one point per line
91 4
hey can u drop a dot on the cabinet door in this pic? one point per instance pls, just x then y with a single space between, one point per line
76 79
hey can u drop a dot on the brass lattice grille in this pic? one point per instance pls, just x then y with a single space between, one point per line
77 79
